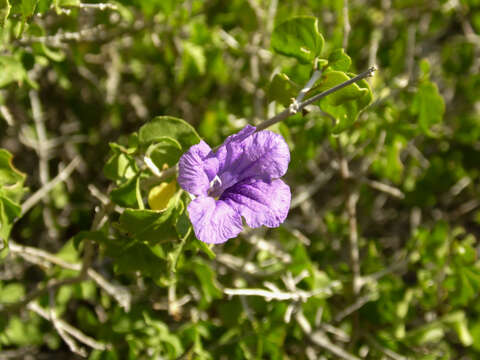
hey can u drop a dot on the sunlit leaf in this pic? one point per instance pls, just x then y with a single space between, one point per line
299 38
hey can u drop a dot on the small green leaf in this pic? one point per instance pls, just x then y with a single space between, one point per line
59 4
131 256
346 104
333 78
299 38
282 90
148 225
168 126
165 150
428 105
9 211
458 321
12 70
208 281
11 193
126 194
54 55
11 292
97 236
205 248
121 165
339 60
194 61
28 8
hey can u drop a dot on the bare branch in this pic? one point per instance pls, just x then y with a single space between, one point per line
288 112
355 306
71 343
320 339
74 332
100 6
389 353
47 187
7 115
36 256
354 252
298 295
388 189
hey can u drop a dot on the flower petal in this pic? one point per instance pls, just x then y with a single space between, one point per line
260 202
262 155
196 168
214 222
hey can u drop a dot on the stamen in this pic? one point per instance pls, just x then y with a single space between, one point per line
216 180
215 187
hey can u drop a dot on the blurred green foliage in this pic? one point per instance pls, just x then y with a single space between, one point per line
378 257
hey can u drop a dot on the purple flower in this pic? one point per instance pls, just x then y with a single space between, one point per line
239 179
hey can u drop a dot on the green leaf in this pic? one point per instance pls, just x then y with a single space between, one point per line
54 55
11 192
121 165
12 70
282 89
299 38
4 11
339 60
346 104
208 281
97 236
428 105
348 93
148 225
11 292
126 194
11 179
458 321
65 3
165 150
9 211
43 6
167 126
28 8
131 256
194 61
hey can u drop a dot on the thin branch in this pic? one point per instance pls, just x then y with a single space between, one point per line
305 192
91 34
101 6
315 76
74 332
47 187
51 285
41 136
7 115
359 302
288 112
320 339
31 254
42 152
354 252
389 353
388 189
71 343
397 265
298 295
351 207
